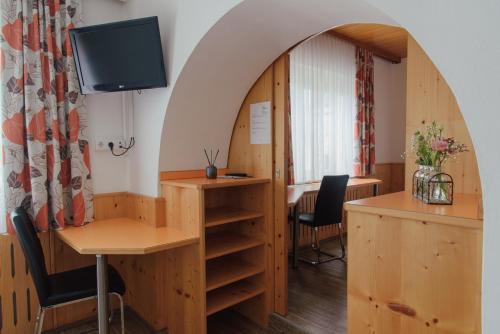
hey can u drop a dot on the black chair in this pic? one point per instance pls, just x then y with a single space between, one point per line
328 211
63 288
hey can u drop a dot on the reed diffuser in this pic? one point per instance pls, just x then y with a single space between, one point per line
211 170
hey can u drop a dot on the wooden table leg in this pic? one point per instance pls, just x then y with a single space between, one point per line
102 293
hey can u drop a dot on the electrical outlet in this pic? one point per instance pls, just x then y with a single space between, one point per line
101 143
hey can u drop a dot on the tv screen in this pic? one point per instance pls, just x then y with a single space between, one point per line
119 56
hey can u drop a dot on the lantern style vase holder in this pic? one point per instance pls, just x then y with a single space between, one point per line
432 186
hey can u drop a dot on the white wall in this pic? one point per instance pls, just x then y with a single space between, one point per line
390 108
109 173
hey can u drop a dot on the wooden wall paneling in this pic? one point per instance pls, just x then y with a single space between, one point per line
281 109
397 177
150 210
18 298
429 99
392 176
384 173
407 276
255 160
110 205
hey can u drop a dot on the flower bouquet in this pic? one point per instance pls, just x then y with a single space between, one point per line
433 149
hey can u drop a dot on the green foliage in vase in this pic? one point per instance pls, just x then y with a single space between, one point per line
432 148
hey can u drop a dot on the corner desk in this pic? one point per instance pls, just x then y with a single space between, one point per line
120 236
296 192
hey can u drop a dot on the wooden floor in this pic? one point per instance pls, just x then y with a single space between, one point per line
317 304
317 296
227 322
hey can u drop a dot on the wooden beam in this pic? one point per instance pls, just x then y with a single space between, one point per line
376 51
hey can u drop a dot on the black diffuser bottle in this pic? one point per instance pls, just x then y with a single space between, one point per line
211 170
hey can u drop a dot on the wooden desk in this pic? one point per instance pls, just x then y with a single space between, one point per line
414 267
119 236
296 192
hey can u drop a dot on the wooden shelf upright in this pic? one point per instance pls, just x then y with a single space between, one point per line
233 266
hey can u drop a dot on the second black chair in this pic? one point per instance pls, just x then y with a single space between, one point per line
63 288
328 211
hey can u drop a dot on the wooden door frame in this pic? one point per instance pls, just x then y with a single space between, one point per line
280 150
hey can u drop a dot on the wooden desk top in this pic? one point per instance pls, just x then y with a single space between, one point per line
465 211
294 195
295 192
123 236
204 183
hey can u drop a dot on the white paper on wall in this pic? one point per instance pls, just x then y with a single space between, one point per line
260 123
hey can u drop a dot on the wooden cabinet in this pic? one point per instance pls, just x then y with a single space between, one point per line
234 262
414 268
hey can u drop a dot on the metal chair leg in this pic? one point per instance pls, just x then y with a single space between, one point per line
111 312
317 249
122 312
39 320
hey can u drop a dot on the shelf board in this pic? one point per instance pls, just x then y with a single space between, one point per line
223 243
224 271
225 215
231 295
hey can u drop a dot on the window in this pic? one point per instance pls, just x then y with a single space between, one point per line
323 108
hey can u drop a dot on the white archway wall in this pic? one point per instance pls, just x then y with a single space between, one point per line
458 35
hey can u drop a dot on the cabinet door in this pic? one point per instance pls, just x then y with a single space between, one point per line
407 276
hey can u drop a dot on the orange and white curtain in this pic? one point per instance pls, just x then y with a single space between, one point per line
45 151
364 128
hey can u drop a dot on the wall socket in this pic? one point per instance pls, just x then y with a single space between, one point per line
101 143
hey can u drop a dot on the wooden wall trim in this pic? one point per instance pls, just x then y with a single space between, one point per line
188 174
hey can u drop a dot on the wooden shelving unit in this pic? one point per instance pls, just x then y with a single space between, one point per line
225 271
231 295
226 215
224 243
234 223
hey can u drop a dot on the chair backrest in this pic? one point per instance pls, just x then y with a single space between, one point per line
33 252
330 201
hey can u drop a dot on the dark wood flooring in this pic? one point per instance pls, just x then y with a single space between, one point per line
317 296
317 304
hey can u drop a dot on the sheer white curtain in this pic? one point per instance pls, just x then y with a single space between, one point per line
323 107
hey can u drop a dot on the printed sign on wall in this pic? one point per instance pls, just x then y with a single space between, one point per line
260 123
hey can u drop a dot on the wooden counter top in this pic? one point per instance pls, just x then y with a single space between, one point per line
123 236
465 211
204 183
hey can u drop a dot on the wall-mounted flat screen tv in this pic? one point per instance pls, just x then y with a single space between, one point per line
119 56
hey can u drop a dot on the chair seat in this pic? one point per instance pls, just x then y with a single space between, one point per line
80 283
306 219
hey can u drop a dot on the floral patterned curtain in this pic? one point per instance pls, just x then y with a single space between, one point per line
46 164
364 128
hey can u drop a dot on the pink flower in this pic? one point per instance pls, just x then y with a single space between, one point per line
439 145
